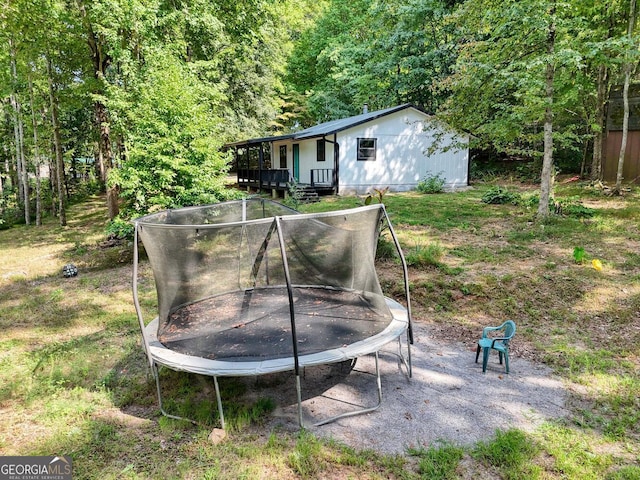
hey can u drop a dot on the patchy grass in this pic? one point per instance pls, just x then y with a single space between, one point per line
73 377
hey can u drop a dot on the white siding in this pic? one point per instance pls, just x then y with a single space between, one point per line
403 158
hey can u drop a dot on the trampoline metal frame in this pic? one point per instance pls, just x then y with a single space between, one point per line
154 364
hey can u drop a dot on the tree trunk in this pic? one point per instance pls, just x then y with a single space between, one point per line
52 180
101 61
1 188
625 102
98 162
102 118
546 180
62 214
625 128
18 130
598 139
36 156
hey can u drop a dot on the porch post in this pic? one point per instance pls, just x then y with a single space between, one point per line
336 158
260 164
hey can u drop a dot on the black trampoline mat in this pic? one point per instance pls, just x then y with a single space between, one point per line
255 324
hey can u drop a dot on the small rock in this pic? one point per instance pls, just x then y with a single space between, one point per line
217 435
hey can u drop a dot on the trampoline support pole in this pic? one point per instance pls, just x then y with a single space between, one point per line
219 400
405 361
162 410
176 417
362 410
299 393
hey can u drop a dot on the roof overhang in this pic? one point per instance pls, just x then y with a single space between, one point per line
327 128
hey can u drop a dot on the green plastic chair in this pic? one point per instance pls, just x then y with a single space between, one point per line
501 344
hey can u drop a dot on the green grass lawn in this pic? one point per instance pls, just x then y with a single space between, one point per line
73 377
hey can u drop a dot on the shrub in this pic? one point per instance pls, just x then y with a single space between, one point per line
573 207
500 196
431 184
120 228
423 256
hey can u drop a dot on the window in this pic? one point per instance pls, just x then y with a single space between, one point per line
367 149
320 150
283 156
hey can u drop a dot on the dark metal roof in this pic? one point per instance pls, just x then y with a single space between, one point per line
327 128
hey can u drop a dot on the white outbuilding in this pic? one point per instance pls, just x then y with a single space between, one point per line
396 148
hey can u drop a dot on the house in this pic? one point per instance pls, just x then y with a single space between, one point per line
395 147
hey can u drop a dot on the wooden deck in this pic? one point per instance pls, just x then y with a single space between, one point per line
280 180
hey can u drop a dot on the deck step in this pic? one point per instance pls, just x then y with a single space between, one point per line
308 194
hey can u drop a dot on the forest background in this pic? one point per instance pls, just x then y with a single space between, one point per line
137 97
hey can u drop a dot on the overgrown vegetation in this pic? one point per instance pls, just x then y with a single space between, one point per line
74 381
431 184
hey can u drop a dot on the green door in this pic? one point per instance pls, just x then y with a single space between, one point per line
296 162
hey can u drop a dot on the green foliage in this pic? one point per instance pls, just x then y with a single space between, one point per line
512 451
304 459
120 228
10 212
379 54
439 462
378 194
500 195
431 184
294 195
573 207
424 256
173 160
579 254
386 248
630 472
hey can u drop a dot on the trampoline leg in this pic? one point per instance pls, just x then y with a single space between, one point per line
162 410
378 381
362 410
405 361
409 365
219 400
299 393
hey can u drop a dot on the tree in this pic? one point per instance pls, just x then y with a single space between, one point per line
517 71
96 36
381 54
173 158
57 147
628 68
546 179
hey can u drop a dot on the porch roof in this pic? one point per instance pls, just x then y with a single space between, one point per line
326 128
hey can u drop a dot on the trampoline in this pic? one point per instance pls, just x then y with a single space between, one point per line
251 287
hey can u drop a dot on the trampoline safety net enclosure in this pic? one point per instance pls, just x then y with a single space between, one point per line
251 287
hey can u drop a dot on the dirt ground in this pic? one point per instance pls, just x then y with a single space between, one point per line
447 398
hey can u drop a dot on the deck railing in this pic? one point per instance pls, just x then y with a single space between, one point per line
279 178
264 178
321 176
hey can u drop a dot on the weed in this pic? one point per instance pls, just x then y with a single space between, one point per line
439 462
511 451
424 256
573 207
120 228
294 196
431 184
629 472
579 254
378 194
500 196
386 249
305 459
